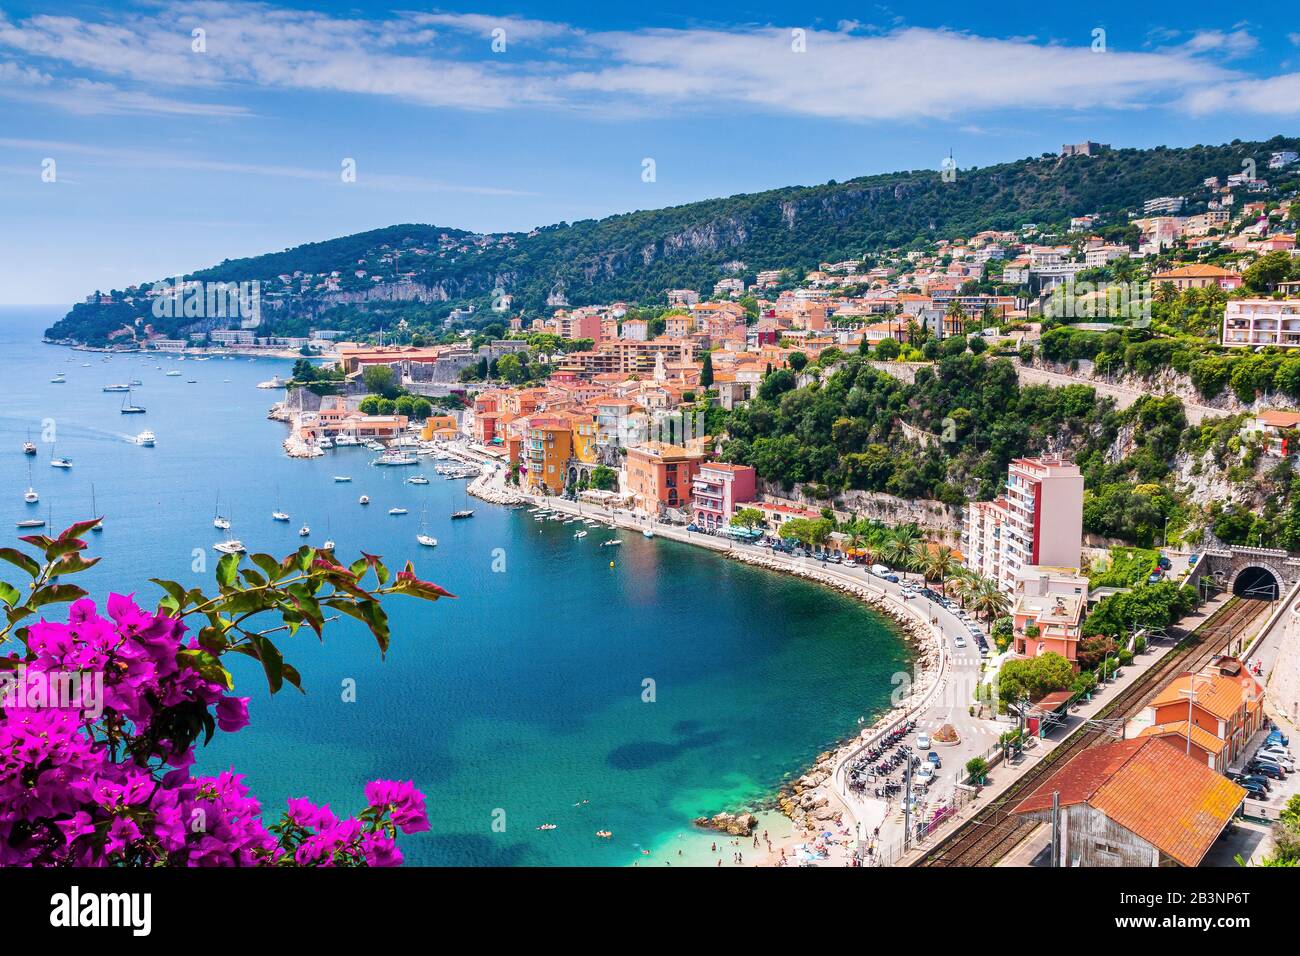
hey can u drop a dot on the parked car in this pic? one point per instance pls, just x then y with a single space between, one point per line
1280 757
1164 563
922 741
891 578
1266 768
1253 789
1258 778
1276 737
933 758
924 774
959 641
879 570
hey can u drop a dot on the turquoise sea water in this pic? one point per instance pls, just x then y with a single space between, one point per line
517 700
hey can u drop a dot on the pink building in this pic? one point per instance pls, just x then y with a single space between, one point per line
716 491
1039 521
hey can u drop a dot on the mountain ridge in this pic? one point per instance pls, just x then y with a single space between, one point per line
636 256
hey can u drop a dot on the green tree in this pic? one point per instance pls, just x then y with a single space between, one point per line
381 380
706 371
747 518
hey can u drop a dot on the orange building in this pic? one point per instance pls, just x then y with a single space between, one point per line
660 475
1224 704
547 448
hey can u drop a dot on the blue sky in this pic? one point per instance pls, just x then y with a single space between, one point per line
167 158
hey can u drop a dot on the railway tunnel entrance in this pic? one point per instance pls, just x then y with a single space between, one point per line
1256 582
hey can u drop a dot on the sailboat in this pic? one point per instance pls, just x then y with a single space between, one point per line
129 407
31 497
464 512
58 461
217 520
29 447
329 542
304 531
424 538
277 514
94 511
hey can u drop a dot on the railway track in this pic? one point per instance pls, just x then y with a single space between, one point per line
993 832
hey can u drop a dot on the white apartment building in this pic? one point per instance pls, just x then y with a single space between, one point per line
1281 160
1168 204
1038 521
1248 323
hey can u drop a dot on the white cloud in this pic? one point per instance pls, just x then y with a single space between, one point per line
1275 96
444 60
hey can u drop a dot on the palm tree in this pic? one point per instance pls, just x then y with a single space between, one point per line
962 583
989 600
897 548
939 564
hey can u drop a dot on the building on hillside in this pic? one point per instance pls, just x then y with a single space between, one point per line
1250 323
1086 148
1134 803
716 491
1164 204
1198 276
1275 424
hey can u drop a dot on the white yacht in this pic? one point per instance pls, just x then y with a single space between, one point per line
363 500
117 388
230 546
174 373
304 531
60 462
326 443
342 477
343 441
417 480
146 439
397 511
31 497
278 515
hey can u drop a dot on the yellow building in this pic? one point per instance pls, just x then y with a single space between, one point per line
439 426
584 438
548 446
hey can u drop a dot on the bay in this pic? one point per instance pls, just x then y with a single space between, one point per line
523 699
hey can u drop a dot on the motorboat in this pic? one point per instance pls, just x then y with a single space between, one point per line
304 531
395 458
342 477
58 380
648 533
612 543
279 516
417 480
327 546
343 441
363 500
230 546
397 511
326 443
60 462
31 523
145 439
29 448
174 373
117 388
579 534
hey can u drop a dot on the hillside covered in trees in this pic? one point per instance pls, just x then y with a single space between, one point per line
636 256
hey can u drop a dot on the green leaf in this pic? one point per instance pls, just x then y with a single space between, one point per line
208 665
18 558
55 594
252 578
9 594
270 567
228 570
174 590
272 661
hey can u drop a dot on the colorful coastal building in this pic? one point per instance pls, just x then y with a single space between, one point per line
546 450
716 491
660 476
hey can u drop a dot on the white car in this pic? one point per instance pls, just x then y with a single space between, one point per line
924 774
1280 757
922 741
959 641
